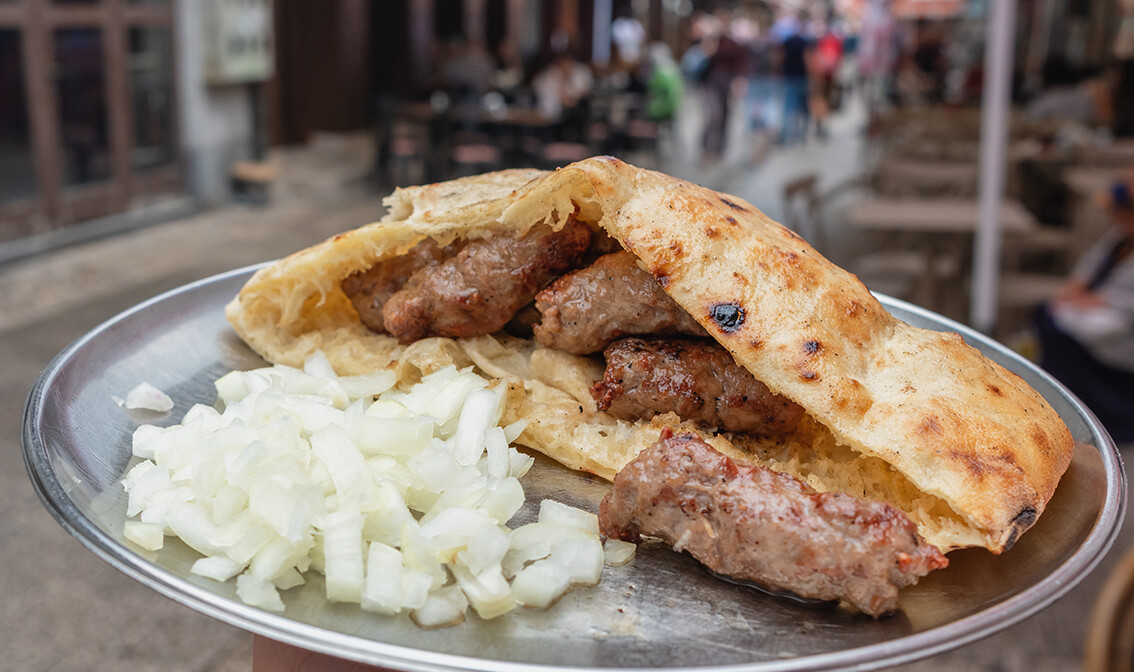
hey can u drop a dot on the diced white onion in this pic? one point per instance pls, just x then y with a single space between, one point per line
540 583
617 552
148 397
444 606
342 555
399 497
217 567
147 535
258 592
551 511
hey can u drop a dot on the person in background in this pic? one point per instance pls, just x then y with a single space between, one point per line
563 85
828 57
877 54
664 86
727 62
629 38
796 49
757 45
1071 96
1086 331
467 70
695 60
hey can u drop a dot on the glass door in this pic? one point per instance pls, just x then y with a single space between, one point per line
87 110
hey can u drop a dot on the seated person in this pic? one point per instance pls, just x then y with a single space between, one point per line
1086 331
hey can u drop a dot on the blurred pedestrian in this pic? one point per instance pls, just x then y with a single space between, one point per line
828 58
761 71
726 65
664 87
795 71
563 85
1086 331
877 54
629 38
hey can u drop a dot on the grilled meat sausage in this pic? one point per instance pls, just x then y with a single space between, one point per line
751 523
480 289
369 290
698 380
585 310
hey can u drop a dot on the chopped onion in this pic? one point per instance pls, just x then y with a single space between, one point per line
147 397
551 511
444 606
147 535
617 552
258 592
217 567
399 497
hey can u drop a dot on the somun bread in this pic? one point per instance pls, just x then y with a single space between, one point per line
913 417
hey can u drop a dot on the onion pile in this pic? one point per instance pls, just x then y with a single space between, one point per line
399 498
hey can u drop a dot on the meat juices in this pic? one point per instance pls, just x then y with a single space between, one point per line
587 309
751 523
478 291
698 380
369 290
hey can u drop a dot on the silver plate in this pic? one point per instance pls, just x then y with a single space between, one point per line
661 611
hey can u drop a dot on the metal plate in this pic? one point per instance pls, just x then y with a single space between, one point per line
661 611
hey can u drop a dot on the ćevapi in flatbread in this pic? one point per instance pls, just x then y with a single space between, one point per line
894 413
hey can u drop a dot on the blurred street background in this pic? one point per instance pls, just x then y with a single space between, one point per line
975 157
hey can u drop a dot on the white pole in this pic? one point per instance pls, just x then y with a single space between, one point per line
999 41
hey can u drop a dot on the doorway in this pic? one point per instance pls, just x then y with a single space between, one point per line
87 110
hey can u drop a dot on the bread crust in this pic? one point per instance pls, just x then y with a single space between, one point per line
908 415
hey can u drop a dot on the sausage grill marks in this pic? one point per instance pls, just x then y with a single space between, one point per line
585 310
698 380
756 524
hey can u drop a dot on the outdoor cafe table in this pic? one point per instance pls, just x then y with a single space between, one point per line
942 230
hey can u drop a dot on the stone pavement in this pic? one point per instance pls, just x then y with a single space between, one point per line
65 610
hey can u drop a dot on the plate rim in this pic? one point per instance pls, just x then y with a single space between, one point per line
961 632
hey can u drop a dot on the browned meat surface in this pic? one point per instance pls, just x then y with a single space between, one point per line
698 380
587 309
479 290
755 524
369 290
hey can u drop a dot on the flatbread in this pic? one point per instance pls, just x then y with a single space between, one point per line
896 413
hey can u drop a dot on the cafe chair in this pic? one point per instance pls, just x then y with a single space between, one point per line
800 199
473 158
1109 646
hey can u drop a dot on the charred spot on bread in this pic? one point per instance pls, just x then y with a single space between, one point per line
1025 518
811 346
1020 524
728 316
734 206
